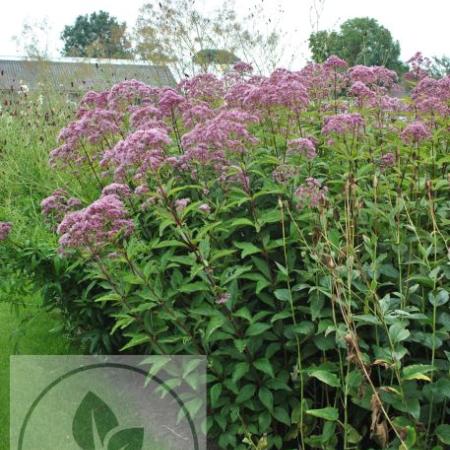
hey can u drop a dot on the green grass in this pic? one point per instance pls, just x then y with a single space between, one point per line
32 339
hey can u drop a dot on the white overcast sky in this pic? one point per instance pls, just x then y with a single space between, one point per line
419 25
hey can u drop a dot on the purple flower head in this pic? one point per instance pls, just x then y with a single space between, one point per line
121 190
181 204
142 189
311 193
58 204
284 173
5 230
91 125
130 92
302 146
143 116
243 67
415 132
198 112
343 123
169 100
141 151
282 89
95 99
95 226
226 131
334 62
205 87
360 90
204 208
223 298
387 160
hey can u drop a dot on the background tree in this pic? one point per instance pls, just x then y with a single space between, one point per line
361 40
97 35
440 67
177 32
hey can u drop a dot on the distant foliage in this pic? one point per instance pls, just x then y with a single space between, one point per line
293 228
97 35
177 32
360 40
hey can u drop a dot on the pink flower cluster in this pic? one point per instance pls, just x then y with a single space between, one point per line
204 87
373 75
311 193
141 151
95 226
432 96
343 124
5 230
302 146
227 131
415 132
58 204
243 67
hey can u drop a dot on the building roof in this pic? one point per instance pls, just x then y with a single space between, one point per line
77 74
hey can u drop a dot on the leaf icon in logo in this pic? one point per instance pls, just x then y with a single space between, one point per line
128 439
92 422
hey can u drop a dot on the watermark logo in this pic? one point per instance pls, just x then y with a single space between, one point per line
108 403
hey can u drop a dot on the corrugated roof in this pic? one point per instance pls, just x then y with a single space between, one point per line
75 75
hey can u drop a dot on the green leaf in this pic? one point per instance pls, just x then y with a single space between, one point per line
443 433
326 377
247 248
214 393
264 421
93 420
283 295
256 329
194 287
128 439
214 324
328 413
240 369
282 415
246 393
438 299
266 397
136 340
264 365
417 372
398 332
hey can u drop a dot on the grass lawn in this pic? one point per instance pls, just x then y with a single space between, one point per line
35 340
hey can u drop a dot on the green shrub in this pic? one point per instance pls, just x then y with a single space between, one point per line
314 274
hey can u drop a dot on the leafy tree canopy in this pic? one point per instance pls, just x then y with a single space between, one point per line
214 56
97 35
361 40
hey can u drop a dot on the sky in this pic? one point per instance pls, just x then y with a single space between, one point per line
418 25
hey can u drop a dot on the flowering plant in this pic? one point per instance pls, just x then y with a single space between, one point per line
294 228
